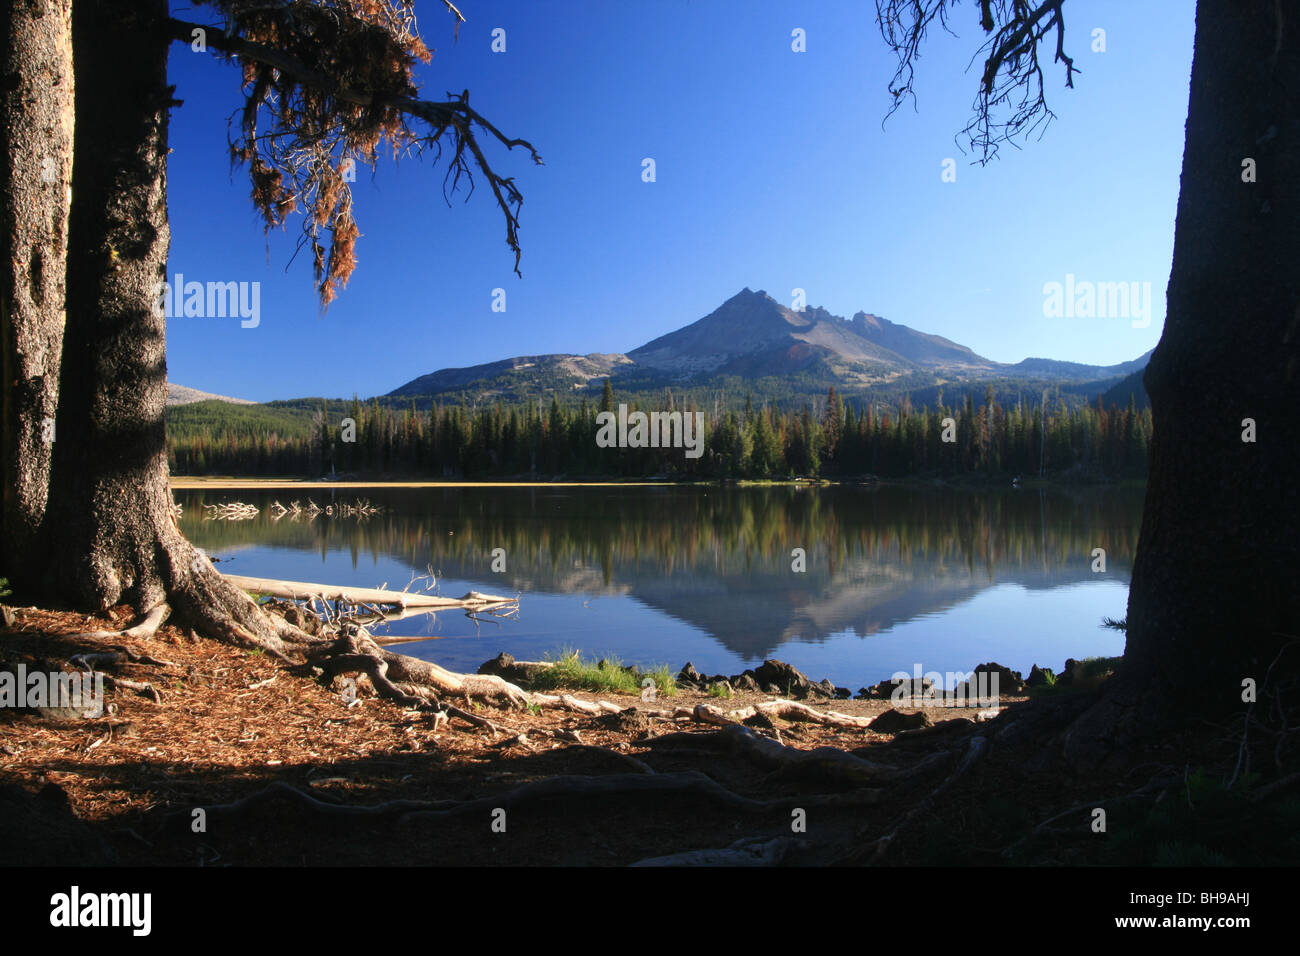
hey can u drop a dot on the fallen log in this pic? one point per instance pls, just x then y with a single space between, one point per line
304 590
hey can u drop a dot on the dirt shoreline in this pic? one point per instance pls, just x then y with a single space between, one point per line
130 788
230 483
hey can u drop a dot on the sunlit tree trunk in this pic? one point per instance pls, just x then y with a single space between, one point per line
36 122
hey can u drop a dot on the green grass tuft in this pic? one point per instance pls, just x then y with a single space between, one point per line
574 672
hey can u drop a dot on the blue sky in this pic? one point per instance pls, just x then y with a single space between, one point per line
773 171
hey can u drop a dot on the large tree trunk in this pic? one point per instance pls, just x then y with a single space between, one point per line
36 116
1216 579
109 531
109 517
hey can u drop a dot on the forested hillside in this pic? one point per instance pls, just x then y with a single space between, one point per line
830 437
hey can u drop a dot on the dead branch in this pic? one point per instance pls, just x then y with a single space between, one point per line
1011 64
143 688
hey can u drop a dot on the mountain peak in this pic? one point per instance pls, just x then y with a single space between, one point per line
870 321
753 336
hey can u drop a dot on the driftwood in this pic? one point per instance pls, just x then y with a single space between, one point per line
303 590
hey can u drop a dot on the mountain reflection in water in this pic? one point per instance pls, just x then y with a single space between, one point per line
895 576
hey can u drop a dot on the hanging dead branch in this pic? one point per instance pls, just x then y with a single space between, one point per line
324 86
1010 102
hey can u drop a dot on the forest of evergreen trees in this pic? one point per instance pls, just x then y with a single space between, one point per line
833 439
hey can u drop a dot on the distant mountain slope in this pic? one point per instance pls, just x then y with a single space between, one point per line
919 347
751 332
563 372
754 343
1119 393
181 395
1074 371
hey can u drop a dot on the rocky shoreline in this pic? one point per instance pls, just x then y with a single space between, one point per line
777 678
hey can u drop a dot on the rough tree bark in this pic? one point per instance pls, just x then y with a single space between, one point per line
36 115
109 532
1216 579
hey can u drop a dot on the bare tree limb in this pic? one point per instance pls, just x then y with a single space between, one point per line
1011 65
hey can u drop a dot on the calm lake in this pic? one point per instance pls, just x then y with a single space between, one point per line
896 577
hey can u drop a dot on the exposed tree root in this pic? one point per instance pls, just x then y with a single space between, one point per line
280 789
821 762
212 605
140 687
977 748
405 670
638 785
787 709
471 718
408 681
1283 783
1153 788
640 766
750 851
626 786
569 702
146 628
115 656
